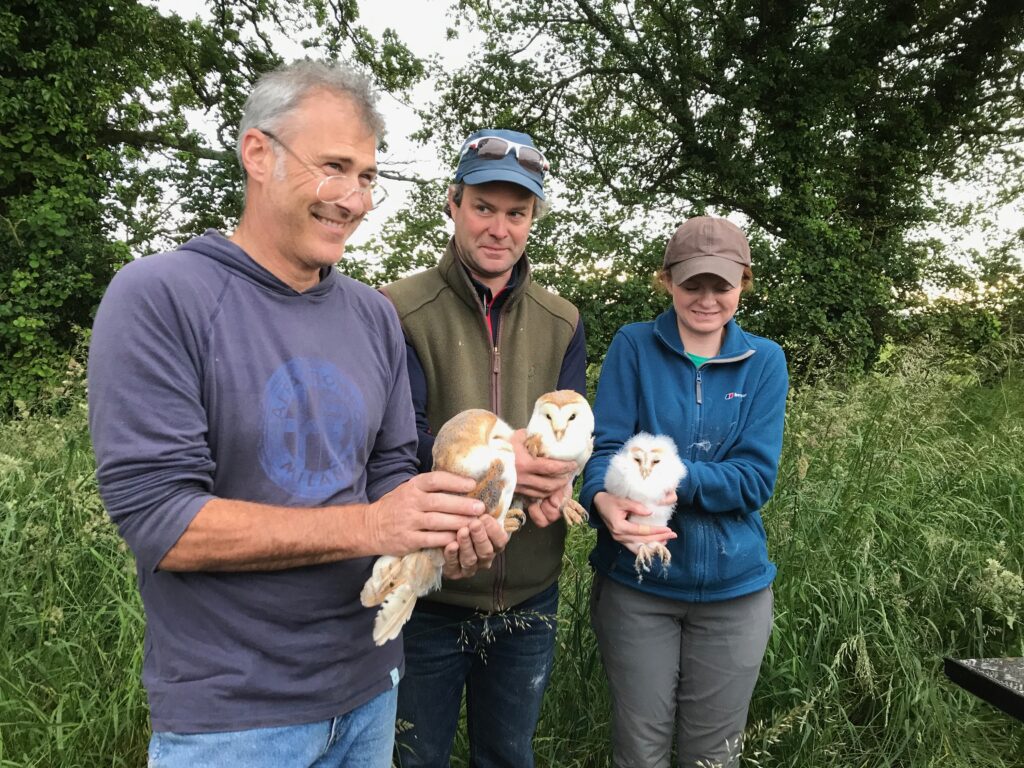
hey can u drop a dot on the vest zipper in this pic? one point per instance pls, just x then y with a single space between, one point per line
500 564
495 377
498 589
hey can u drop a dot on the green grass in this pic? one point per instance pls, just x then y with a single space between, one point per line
897 525
70 618
898 528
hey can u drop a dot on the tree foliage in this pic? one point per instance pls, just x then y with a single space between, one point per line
823 124
101 152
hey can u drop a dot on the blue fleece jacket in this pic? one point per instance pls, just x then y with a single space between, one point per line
726 418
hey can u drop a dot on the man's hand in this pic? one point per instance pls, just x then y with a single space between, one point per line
426 511
546 511
475 547
538 478
614 510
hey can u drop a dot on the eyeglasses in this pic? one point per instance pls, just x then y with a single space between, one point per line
334 188
495 148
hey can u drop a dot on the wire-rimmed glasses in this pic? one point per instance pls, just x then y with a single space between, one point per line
334 188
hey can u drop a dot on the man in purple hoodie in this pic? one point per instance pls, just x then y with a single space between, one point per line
255 444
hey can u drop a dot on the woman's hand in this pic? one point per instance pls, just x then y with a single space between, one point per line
615 510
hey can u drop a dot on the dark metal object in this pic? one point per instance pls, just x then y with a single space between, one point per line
1000 682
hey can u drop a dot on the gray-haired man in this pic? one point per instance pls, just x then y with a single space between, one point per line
255 457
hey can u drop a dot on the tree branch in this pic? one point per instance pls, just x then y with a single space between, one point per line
396 176
155 140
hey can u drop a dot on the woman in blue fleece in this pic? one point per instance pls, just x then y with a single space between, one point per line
683 645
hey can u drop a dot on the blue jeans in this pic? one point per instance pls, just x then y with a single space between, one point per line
503 660
362 738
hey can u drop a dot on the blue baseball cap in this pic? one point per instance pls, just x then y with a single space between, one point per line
520 163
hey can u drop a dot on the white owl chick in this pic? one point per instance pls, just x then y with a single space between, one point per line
473 443
562 427
645 469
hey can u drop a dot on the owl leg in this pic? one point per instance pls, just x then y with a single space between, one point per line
662 553
534 445
573 511
642 564
645 558
423 570
515 518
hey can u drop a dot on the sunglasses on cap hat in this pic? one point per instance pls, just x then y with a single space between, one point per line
495 148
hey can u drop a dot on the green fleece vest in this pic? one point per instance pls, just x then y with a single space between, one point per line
444 319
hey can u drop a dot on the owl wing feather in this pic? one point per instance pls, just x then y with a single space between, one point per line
490 489
420 575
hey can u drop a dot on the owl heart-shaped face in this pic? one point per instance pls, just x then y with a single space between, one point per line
560 418
561 413
645 469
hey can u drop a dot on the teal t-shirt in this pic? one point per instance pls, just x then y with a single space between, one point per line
697 359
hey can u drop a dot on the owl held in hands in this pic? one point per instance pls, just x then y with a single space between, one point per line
473 443
646 469
562 427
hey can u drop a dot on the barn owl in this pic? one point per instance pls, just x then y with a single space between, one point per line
473 443
646 469
562 427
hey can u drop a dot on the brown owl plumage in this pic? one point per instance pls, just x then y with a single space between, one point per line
474 443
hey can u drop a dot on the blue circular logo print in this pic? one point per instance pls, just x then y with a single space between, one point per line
314 427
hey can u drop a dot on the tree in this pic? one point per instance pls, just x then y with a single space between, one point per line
100 157
823 124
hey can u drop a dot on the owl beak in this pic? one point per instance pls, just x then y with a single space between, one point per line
559 433
645 471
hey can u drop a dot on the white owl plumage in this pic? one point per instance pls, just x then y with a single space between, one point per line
473 443
645 469
562 427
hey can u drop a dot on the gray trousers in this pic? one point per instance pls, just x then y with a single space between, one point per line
688 665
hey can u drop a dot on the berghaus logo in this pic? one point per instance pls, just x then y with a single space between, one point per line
733 395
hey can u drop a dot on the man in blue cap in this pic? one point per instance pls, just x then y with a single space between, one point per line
481 334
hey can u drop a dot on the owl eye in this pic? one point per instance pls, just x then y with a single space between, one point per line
656 461
547 416
572 417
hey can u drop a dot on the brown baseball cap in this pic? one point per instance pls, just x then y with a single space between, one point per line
707 244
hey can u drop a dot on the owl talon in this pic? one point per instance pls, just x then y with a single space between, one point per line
514 520
645 558
573 512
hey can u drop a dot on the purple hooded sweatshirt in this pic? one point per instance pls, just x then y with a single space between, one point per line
210 378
